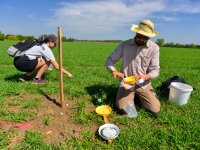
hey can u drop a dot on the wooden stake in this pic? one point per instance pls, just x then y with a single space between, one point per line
60 65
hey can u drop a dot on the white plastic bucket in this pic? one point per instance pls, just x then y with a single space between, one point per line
179 93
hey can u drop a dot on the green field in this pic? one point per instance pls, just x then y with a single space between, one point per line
176 127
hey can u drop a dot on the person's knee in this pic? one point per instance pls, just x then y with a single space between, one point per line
120 109
42 61
46 64
155 109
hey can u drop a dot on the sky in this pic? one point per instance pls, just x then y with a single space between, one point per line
176 21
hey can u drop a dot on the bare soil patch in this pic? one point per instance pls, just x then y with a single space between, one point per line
54 122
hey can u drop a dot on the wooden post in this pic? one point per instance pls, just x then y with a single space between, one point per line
60 66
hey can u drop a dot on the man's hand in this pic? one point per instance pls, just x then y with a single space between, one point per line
144 77
118 74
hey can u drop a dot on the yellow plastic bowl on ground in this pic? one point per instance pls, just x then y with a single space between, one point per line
103 110
130 80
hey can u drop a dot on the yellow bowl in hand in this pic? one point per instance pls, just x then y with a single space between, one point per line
130 80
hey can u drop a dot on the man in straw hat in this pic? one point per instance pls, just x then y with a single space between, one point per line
140 58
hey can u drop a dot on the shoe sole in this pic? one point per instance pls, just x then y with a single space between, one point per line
20 79
37 83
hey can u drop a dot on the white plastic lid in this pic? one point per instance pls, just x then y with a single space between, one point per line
181 86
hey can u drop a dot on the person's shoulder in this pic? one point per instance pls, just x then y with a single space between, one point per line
152 45
45 47
129 41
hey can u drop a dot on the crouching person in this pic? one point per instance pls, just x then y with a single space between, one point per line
37 59
140 58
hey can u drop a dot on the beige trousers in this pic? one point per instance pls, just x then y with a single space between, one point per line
147 98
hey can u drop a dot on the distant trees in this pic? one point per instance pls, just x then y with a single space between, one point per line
68 39
11 37
21 37
29 38
42 37
181 45
18 37
2 36
193 45
161 43
15 37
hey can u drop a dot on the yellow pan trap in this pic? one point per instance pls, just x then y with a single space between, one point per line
103 110
130 80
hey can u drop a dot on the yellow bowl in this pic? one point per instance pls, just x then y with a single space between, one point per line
103 110
130 80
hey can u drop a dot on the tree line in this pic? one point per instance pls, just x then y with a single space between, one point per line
15 37
161 43
43 36
23 37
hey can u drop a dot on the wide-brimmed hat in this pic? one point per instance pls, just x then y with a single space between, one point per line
146 28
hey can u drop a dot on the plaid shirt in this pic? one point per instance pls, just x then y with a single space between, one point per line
136 60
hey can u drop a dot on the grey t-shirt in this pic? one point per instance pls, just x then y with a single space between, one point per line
40 51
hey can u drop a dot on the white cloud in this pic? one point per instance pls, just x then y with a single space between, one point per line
165 18
183 6
103 16
109 16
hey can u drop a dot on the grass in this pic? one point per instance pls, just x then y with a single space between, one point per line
47 120
4 138
32 140
19 110
176 127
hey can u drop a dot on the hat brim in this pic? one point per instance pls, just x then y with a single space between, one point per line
135 29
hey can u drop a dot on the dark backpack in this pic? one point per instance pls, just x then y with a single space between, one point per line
164 87
20 48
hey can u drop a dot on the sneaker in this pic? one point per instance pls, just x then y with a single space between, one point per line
39 81
24 78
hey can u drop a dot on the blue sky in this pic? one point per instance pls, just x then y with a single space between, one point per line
176 21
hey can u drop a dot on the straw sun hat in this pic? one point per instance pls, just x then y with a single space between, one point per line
146 28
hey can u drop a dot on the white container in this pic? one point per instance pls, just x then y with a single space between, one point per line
108 131
131 110
179 93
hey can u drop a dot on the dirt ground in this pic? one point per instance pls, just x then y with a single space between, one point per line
60 125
